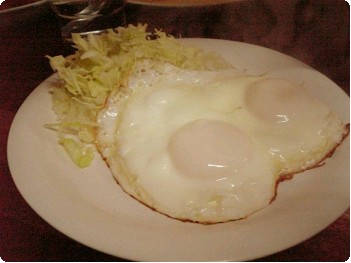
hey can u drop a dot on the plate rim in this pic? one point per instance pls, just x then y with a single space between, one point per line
22 7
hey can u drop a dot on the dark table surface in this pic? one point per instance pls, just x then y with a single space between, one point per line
315 32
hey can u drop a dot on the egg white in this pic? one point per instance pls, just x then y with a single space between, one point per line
209 146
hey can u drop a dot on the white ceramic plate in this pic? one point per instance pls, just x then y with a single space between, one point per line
88 206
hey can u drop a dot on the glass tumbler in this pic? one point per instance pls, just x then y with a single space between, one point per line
88 16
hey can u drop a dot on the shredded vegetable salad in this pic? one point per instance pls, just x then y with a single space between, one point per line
98 66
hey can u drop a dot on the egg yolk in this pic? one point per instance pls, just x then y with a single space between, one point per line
209 149
276 100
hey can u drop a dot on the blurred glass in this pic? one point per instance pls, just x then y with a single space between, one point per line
88 16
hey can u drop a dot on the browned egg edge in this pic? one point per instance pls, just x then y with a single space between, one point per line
282 177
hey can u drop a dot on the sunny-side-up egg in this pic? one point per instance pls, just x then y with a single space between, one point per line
210 146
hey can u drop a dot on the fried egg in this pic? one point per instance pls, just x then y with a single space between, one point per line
210 146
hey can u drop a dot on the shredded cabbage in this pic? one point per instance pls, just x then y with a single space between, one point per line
99 65
80 154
